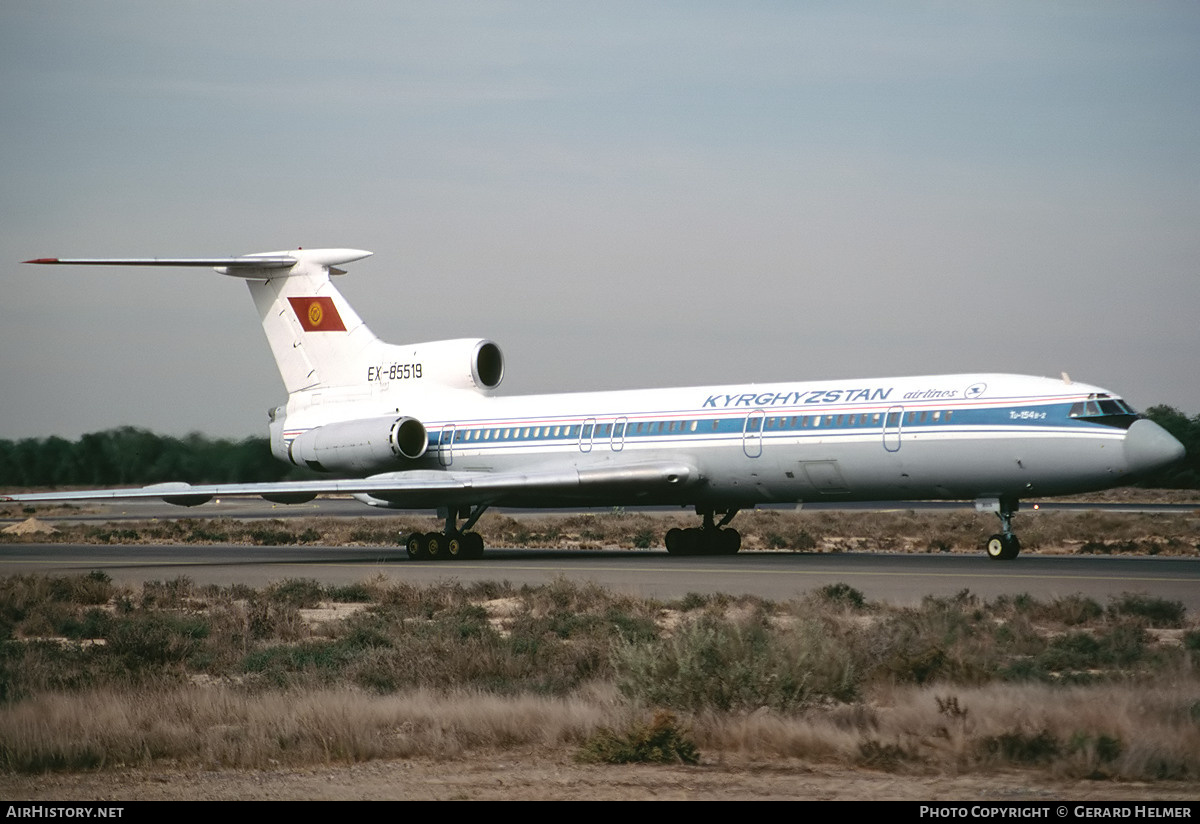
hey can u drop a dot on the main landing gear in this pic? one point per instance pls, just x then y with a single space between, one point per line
710 539
1004 546
453 543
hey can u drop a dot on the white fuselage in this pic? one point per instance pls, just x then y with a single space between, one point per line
945 436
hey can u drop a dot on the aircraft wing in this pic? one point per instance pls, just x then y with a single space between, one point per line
421 488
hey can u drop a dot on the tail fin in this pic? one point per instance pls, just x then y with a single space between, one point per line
314 334
318 340
294 298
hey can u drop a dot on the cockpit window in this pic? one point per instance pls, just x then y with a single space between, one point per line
1104 409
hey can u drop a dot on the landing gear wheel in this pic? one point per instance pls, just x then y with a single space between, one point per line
455 547
435 545
472 545
1003 547
674 541
729 541
414 545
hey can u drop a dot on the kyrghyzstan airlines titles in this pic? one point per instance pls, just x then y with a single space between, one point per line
821 396
814 396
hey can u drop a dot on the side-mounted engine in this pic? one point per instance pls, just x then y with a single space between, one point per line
369 445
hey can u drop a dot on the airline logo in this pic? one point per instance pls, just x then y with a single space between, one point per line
317 314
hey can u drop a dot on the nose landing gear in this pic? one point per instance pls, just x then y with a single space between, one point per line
1003 546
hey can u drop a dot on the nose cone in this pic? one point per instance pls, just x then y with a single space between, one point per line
1148 447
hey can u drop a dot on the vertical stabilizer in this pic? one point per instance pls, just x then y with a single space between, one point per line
316 337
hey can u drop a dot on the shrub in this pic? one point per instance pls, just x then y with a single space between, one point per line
659 741
1021 746
712 663
1157 612
301 593
845 594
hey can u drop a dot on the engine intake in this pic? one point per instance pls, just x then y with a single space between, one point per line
464 363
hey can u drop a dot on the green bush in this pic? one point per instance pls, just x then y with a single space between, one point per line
844 594
1021 746
659 741
1157 612
724 664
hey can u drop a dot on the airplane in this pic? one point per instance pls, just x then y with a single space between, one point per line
419 426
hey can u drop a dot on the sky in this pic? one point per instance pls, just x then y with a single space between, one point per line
620 194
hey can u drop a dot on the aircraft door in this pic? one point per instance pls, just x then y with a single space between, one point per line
446 445
585 435
618 434
892 423
752 433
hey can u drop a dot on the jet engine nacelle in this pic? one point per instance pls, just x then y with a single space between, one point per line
464 363
360 446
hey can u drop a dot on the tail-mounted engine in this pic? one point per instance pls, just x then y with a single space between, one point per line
368 445
465 363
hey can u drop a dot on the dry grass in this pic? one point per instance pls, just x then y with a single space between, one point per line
219 726
172 673
1110 731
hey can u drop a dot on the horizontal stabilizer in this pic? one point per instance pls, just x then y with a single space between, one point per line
245 261
239 265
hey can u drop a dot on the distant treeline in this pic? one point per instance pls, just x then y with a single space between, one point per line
1186 473
130 456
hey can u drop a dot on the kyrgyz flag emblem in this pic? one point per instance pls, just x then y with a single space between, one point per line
317 314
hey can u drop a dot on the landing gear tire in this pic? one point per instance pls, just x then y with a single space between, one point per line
1003 547
435 545
456 547
698 541
472 545
729 541
414 545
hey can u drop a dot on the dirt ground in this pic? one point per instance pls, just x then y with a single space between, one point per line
543 776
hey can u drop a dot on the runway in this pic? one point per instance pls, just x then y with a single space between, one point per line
900 579
341 507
